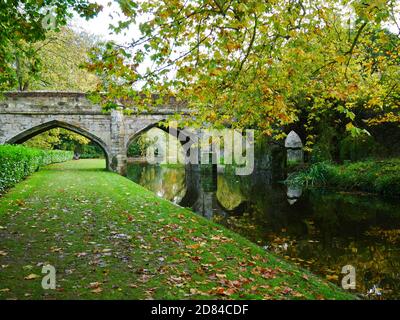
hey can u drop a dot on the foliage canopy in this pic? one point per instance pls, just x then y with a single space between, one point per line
260 64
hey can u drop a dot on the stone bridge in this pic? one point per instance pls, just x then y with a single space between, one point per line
24 115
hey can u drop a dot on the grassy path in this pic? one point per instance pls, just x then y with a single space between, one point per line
109 238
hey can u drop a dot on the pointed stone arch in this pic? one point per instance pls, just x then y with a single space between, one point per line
35 130
173 132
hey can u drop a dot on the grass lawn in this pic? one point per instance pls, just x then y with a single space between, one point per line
109 238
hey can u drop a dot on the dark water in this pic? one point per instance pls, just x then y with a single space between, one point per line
316 229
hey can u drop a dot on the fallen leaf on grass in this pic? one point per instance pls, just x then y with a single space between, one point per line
81 254
20 202
297 294
332 277
223 291
196 258
193 246
3 253
97 290
32 276
286 290
198 292
94 285
266 273
220 238
144 278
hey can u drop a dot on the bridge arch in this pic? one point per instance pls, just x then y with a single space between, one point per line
35 130
175 133
157 125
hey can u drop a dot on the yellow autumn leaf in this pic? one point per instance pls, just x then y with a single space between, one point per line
32 276
97 290
332 277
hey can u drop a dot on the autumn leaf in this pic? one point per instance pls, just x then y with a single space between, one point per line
81 254
224 291
266 273
31 276
332 277
193 246
97 290
286 290
94 285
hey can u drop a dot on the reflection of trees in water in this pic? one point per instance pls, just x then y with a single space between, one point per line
323 231
201 195
229 193
168 183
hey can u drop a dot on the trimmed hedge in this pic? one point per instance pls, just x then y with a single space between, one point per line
18 162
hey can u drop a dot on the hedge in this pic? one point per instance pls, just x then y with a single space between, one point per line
18 162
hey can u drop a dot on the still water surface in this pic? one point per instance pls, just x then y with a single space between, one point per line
316 229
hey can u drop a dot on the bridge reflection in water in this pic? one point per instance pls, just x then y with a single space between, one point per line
316 229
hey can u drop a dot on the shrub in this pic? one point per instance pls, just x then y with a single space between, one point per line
17 162
370 176
316 174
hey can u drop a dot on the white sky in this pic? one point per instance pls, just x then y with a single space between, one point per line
111 13
99 25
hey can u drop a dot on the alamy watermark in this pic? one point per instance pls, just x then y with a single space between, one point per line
49 21
349 280
49 280
209 146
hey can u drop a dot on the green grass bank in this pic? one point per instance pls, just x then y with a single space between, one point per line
374 176
109 238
